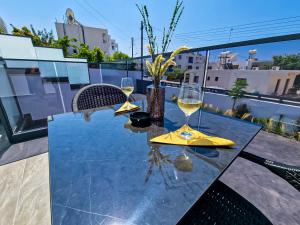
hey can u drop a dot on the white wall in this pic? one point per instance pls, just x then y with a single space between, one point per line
258 108
261 81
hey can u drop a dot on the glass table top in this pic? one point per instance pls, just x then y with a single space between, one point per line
104 171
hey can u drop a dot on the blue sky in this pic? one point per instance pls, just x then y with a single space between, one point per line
122 19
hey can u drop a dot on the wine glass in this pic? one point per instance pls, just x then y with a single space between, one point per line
127 86
189 101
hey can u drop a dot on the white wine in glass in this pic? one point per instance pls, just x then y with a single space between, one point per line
127 90
189 106
189 101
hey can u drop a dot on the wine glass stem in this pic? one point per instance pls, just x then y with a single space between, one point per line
128 101
187 120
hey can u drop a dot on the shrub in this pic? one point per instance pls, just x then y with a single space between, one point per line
174 98
298 124
246 116
242 110
297 136
229 112
279 128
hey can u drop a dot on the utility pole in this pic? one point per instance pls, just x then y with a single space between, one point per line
230 33
132 40
142 48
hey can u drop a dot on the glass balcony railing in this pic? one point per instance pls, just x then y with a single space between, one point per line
32 90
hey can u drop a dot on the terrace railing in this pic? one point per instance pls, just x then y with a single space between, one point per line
30 91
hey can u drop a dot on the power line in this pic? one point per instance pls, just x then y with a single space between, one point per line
104 18
262 30
237 26
91 13
253 28
237 37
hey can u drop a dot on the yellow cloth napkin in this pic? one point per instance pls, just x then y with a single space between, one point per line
127 107
197 138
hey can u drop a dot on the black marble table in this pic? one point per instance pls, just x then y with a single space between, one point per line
104 171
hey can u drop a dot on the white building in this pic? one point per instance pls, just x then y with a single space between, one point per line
190 61
93 37
223 73
268 82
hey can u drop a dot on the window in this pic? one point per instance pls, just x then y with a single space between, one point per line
187 78
286 86
197 67
277 86
191 59
104 38
216 78
179 56
74 51
208 78
190 67
242 79
179 66
196 79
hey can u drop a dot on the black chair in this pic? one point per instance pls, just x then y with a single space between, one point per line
220 205
97 95
289 173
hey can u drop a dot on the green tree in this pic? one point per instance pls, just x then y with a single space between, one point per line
287 62
39 38
65 43
99 55
176 74
118 56
85 52
237 91
95 55
24 31
1 31
46 37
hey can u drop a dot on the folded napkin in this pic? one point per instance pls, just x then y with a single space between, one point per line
197 138
127 107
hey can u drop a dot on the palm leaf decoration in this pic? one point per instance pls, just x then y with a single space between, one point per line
160 64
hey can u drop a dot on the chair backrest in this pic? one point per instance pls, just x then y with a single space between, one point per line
222 205
97 95
287 172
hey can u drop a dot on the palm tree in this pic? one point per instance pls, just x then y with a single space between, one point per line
237 91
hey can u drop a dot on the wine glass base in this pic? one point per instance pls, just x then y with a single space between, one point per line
186 135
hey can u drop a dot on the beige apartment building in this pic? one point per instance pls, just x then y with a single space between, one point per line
268 82
93 37
190 61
